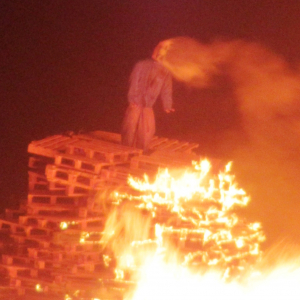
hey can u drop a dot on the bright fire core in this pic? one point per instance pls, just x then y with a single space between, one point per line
188 217
179 230
177 236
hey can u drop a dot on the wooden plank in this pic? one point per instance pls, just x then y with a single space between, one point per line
88 182
50 146
39 163
48 197
78 262
112 151
11 227
145 162
54 222
26 230
156 141
188 148
36 241
23 261
165 144
172 145
59 255
67 210
37 177
80 163
176 146
52 142
15 270
72 177
13 214
38 182
48 289
103 151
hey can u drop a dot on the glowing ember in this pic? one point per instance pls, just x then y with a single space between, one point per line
38 288
63 225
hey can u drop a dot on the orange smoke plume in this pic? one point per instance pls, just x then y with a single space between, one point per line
187 60
264 83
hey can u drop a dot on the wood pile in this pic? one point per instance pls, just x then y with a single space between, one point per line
68 176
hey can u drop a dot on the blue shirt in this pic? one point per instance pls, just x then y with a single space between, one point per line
149 80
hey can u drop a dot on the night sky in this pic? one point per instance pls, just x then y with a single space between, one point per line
65 66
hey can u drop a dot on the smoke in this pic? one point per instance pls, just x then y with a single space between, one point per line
188 60
266 89
265 86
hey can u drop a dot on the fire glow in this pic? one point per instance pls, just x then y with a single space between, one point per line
179 237
191 215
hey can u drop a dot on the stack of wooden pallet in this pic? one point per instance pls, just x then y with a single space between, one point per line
69 176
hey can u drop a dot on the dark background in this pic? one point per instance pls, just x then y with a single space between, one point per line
65 67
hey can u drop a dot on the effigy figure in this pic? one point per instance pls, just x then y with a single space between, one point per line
149 80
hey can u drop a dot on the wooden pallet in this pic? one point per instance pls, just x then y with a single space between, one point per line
102 144
147 163
51 145
80 163
57 144
24 230
182 147
54 222
72 177
33 277
172 145
46 209
157 143
59 255
33 241
27 285
15 270
46 197
103 151
154 162
67 172
26 261
39 162
38 182
53 267
14 214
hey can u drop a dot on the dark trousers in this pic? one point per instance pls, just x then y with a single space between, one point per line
138 126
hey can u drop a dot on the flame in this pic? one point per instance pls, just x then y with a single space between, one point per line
179 237
170 281
187 215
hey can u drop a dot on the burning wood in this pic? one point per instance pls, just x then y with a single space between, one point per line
53 241
107 222
191 216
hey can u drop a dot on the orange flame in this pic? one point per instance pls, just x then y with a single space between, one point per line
180 238
188 214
